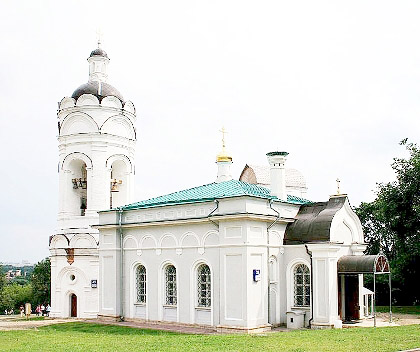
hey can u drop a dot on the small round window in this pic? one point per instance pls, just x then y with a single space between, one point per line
72 277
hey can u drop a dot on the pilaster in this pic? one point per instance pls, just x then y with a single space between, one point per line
324 284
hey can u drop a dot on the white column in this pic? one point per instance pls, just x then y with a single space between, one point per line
325 289
64 187
99 190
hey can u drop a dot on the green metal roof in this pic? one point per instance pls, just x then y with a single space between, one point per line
210 192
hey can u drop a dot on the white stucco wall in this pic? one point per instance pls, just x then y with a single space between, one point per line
154 237
75 278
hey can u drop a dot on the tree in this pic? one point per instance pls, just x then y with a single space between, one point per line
14 296
2 279
41 282
20 280
392 224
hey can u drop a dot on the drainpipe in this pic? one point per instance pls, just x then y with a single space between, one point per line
211 213
270 203
120 212
312 291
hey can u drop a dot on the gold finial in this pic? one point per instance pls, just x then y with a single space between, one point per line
99 35
338 186
223 155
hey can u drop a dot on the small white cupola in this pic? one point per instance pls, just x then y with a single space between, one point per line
277 161
223 161
98 64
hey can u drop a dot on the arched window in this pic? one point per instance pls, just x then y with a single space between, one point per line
302 283
141 284
170 285
203 286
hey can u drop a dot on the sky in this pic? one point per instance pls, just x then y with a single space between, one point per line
334 83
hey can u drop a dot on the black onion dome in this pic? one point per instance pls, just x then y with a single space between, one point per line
93 88
99 52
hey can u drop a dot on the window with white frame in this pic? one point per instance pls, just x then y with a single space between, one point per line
141 284
203 286
302 286
170 285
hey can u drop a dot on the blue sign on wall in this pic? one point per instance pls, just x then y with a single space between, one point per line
256 275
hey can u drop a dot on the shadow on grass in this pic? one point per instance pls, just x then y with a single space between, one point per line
100 329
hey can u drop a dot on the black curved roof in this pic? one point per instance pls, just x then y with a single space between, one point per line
363 264
313 222
93 88
99 52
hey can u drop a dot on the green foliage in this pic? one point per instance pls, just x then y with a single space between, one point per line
391 224
94 337
400 309
2 278
14 295
32 287
20 280
41 282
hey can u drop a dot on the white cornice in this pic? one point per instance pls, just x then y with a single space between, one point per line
205 219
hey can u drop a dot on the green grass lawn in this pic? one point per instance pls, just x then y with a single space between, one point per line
399 309
94 337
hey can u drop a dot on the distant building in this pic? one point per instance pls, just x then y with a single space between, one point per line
10 274
242 254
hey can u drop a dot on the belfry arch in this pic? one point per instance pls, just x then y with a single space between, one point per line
77 187
119 184
120 168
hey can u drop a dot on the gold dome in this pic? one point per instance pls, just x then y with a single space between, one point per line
223 156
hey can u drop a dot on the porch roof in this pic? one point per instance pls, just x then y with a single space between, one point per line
363 264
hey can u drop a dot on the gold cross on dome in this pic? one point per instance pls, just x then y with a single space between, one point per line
338 185
223 136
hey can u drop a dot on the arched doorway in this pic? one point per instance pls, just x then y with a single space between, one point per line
73 305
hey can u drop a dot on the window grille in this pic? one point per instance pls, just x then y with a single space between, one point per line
302 279
141 284
203 286
170 283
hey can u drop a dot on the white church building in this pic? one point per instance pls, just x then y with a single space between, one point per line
238 255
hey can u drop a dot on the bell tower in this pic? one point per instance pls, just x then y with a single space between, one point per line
96 143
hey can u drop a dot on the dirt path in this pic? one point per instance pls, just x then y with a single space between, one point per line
400 319
17 323
181 328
